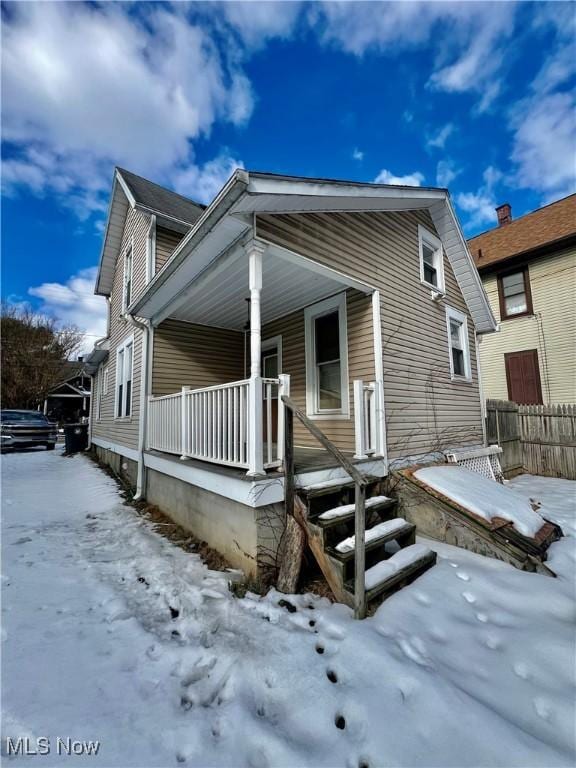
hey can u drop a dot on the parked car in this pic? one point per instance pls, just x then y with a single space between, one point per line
24 429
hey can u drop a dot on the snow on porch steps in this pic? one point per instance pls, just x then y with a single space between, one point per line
376 532
348 509
404 558
482 496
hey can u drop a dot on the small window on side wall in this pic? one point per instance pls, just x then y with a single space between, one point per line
457 326
431 259
327 358
514 294
127 284
124 361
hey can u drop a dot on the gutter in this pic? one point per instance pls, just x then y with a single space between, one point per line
235 187
143 420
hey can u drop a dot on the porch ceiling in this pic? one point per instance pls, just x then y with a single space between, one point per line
220 298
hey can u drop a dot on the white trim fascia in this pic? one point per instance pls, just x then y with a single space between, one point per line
329 188
123 450
314 266
161 214
311 312
382 446
455 314
429 238
252 493
125 188
474 271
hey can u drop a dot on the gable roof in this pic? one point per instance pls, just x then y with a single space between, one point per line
172 211
230 217
159 200
552 224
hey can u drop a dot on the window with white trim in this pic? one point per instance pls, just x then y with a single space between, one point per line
102 384
151 250
431 259
457 326
124 364
327 358
127 284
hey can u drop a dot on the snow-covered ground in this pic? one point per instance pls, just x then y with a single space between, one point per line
110 633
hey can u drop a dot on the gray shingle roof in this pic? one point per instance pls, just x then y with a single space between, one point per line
161 200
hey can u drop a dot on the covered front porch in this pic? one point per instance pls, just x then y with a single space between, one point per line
258 323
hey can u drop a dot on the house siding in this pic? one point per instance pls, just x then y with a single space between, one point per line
196 356
124 431
551 330
425 410
166 242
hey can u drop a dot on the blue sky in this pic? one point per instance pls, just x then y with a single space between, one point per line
478 97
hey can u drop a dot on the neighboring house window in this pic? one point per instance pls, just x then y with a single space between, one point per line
457 325
514 294
327 358
151 250
127 292
124 357
431 259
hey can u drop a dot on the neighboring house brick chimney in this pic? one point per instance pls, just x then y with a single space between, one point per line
504 213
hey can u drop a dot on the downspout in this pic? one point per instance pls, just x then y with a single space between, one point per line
144 388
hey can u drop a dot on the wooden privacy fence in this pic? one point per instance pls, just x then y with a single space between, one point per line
540 439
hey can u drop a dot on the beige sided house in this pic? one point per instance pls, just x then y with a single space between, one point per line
358 302
528 267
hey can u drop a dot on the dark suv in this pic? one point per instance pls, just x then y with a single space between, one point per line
23 429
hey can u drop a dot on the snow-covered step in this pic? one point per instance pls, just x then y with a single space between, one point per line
379 534
347 511
406 563
330 486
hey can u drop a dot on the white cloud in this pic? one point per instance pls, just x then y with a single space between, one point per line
440 138
86 87
544 143
481 205
358 154
74 302
259 21
410 180
468 37
202 183
446 172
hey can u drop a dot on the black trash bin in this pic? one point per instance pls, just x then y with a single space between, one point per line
75 438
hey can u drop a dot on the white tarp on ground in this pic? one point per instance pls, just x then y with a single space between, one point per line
472 665
482 496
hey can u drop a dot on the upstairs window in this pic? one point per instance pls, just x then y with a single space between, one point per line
457 325
151 250
431 260
327 358
127 290
514 294
124 361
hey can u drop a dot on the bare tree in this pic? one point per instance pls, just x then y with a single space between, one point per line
34 355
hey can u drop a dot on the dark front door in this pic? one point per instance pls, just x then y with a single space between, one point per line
523 377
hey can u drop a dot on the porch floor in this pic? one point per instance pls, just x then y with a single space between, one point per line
305 460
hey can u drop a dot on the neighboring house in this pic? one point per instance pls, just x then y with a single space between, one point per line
360 301
528 267
69 401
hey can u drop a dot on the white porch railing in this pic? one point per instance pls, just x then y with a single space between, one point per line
212 423
367 411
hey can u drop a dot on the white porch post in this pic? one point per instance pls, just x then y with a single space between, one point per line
283 389
381 440
255 250
184 423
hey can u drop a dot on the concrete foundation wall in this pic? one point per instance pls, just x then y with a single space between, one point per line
125 468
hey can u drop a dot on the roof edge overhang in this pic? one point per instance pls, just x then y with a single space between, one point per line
508 262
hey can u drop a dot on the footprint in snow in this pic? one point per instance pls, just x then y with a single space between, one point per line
482 618
422 598
463 575
521 670
331 675
469 597
543 708
493 642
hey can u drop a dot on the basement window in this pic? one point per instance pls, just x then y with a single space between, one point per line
431 259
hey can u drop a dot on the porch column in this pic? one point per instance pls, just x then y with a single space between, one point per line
46 407
255 249
380 409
